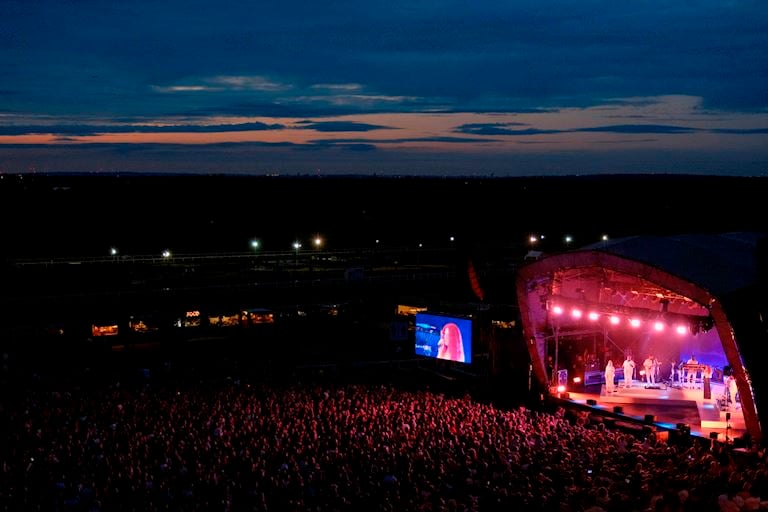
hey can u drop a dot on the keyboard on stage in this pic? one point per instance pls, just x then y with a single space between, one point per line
691 367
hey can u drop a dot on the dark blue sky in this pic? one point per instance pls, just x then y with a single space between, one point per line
336 87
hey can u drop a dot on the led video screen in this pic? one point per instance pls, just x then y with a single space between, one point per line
443 337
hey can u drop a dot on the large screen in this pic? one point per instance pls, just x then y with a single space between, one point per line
443 337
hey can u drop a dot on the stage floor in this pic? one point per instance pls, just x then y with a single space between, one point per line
666 407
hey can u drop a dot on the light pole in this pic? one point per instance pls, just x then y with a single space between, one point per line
296 247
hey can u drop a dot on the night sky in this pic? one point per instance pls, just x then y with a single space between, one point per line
389 88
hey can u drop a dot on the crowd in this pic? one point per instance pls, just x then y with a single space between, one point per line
327 446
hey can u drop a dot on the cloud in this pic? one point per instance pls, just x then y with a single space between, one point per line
500 129
741 131
638 128
85 130
340 126
498 56
454 140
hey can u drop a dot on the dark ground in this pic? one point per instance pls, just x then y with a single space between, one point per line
70 222
65 215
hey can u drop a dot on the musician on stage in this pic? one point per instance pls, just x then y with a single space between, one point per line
680 372
691 374
629 369
650 369
733 389
610 375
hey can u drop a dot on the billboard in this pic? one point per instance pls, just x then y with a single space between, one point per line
443 337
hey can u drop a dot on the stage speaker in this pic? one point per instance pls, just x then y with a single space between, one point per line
684 428
591 401
714 435
618 409
650 418
727 416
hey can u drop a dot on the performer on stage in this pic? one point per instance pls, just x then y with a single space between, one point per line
706 377
629 370
691 375
610 374
733 389
650 369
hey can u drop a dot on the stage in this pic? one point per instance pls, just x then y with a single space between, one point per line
667 407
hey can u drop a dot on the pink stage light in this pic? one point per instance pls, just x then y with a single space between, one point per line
594 316
682 330
576 313
615 320
634 322
560 388
558 310
658 326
